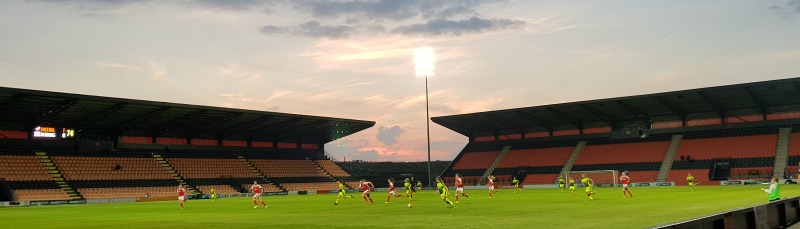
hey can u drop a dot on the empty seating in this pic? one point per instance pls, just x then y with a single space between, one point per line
22 168
211 167
311 186
109 168
794 144
642 176
332 168
41 194
541 179
354 184
268 187
623 153
467 180
221 189
128 192
733 147
679 176
287 168
753 172
536 157
476 160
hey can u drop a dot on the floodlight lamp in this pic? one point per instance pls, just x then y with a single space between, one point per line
423 62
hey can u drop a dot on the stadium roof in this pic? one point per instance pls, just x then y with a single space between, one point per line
731 101
99 118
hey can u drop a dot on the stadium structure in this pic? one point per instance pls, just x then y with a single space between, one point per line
67 147
722 135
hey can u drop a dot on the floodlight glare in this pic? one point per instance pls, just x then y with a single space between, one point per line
423 62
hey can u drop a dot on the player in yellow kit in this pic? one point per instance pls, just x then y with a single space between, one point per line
572 186
409 191
213 195
561 182
341 193
588 183
690 180
443 192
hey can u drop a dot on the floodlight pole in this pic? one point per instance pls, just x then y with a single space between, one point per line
428 125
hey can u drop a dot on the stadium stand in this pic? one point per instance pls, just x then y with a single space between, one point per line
475 160
733 147
333 169
109 168
28 178
310 186
275 168
192 168
536 157
623 153
679 176
22 168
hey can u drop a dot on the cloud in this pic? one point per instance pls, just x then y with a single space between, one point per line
100 5
278 94
96 4
389 135
312 29
381 17
787 9
369 155
474 24
159 71
125 67
235 5
395 10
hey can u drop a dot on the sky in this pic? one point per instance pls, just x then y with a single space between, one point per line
353 58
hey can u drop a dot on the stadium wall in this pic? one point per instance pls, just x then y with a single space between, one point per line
777 214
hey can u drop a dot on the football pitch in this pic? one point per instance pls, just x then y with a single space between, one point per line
532 208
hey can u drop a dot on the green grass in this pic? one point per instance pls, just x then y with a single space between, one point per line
534 208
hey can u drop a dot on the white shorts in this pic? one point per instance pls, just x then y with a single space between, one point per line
365 192
624 186
392 192
460 189
181 198
257 196
491 188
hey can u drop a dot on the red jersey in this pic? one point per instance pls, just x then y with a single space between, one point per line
491 182
181 192
364 186
459 184
391 186
624 179
256 188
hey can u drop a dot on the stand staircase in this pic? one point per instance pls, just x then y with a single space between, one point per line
782 152
174 173
493 165
258 173
669 158
55 173
572 158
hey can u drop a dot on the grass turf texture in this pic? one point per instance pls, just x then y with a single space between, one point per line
540 208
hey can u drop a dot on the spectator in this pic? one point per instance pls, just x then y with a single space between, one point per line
682 157
117 167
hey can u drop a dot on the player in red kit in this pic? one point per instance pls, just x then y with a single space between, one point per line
460 187
491 185
366 186
257 189
625 180
181 195
392 191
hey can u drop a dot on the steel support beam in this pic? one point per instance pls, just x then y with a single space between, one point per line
45 117
129 124
99 116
